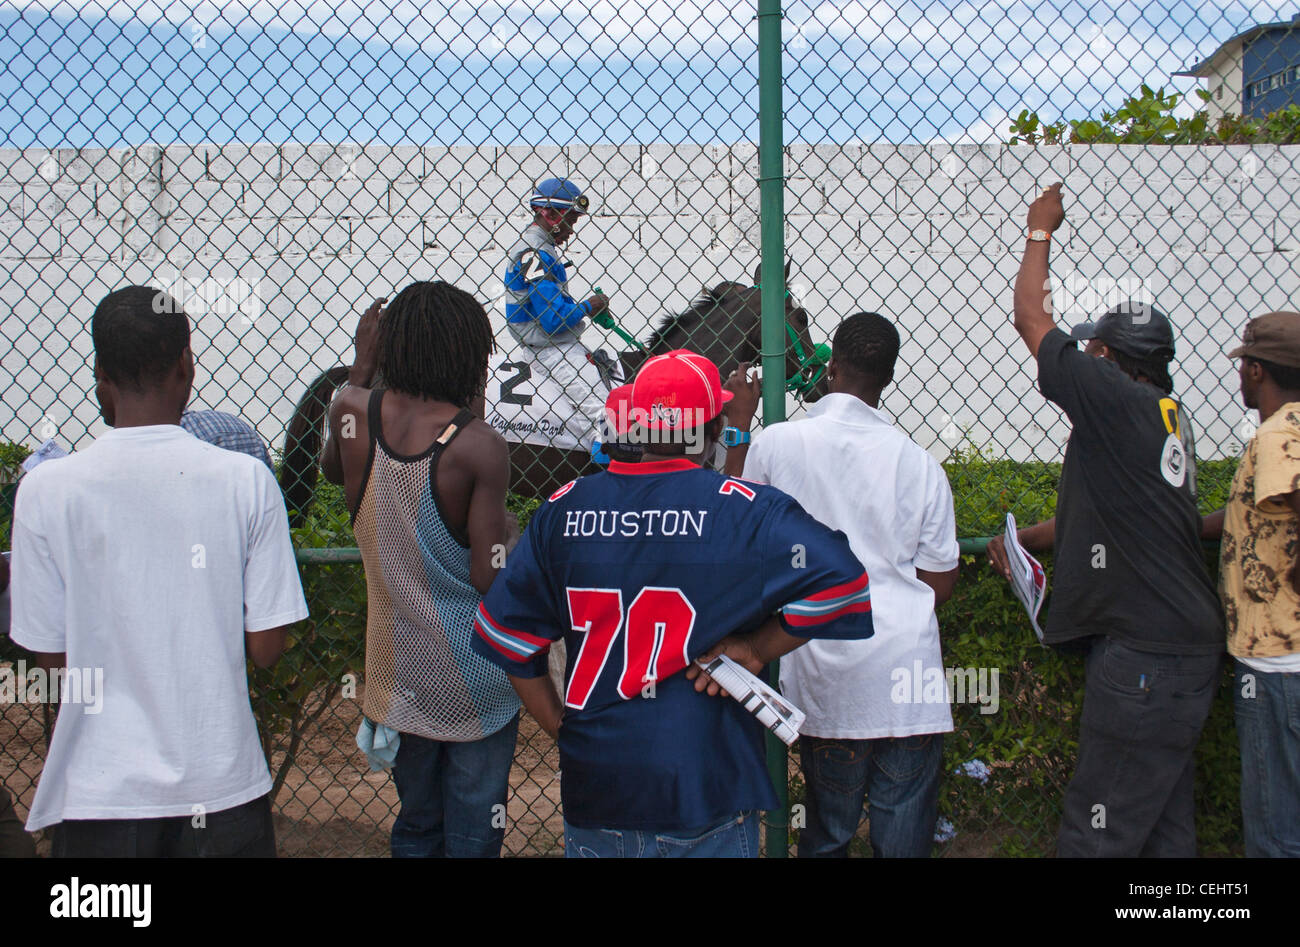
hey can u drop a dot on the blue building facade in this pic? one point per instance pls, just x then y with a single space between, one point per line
1270 71
1258 68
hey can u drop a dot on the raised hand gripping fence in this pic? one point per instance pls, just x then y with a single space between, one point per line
278 167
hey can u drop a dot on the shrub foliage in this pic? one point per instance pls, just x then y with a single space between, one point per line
1148 119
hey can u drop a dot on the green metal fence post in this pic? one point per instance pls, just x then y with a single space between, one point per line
771 208
771 182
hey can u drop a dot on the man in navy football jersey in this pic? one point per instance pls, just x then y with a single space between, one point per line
642 570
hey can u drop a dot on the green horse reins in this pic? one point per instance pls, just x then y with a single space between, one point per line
608 323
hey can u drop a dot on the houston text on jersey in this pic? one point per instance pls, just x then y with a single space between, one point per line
629 523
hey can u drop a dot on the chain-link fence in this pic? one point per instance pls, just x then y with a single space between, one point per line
276 167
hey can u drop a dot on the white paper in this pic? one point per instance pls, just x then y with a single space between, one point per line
1028 580
772 710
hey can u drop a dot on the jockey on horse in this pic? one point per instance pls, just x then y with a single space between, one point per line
543 317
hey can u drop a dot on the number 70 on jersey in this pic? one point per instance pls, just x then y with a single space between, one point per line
655 631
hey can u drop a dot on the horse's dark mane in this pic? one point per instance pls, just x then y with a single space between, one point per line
701 306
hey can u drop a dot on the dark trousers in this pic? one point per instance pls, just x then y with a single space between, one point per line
897 776
245 831
1131 794
14 842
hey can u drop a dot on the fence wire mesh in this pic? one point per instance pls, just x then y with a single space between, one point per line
276 167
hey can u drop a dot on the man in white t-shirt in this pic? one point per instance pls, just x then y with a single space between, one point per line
149 566
866 733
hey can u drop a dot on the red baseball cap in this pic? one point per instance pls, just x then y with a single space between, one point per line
618 410
678 390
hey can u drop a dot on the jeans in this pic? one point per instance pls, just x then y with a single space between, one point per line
453 795
898 776
1131 793
1268 729
244 831
737 837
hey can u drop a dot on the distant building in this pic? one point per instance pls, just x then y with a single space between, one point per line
1255 72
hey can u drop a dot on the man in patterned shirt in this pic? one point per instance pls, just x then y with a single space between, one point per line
543 316
1259 580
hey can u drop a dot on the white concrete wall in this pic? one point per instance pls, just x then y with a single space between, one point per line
281 246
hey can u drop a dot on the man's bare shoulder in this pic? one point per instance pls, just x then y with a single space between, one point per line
483 443
479 451
350 400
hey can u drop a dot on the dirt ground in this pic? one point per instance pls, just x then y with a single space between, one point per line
22 754
331 805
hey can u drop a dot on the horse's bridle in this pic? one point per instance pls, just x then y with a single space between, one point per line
818 358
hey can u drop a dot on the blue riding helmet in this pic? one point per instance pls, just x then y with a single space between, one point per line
560 193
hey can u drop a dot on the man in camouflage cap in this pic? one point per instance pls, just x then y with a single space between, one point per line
1259 581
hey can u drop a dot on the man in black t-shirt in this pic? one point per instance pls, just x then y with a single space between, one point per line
1130 580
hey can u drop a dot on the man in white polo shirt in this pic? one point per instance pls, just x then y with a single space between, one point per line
853 470
150 565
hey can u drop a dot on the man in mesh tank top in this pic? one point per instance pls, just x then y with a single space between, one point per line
425 480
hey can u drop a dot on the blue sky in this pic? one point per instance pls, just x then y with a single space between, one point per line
108 74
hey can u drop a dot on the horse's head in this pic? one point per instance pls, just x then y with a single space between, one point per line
724 324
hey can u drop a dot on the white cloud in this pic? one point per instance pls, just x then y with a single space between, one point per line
1008 55
989 128
571 28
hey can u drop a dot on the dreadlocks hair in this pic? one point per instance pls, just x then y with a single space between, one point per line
434 342
867 344
1154 368
1286 377
139 334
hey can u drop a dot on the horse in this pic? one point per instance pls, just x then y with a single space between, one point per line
723 323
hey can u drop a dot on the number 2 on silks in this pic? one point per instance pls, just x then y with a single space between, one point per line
522 373
656 633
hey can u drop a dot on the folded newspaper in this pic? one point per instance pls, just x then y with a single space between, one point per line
1028 580
772 710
